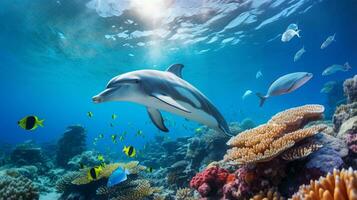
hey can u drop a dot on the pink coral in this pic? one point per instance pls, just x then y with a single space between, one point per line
210 181
352 142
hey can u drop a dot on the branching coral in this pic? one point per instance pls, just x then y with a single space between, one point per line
270 194
184 194
338 185
268 141
14 188
301 151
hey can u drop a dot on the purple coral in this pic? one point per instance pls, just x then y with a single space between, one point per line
352 142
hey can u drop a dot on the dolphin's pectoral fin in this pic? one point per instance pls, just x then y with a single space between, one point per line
170 101
157 119
176 69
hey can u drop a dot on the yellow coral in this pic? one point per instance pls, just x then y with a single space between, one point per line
133 167
184 194
270 194
340 185
268 141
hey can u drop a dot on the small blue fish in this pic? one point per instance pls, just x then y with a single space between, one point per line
118 176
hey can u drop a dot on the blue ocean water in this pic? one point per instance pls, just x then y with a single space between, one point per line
56 55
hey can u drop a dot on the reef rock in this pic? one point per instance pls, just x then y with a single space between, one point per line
87 158
347 128
26 154
72 143
350 89
342 114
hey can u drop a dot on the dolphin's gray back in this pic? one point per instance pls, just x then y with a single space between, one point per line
181 90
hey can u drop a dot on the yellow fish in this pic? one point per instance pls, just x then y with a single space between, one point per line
30 122
149 169
100 157
139 133
129 151
114 138
114 116
94 172
90 114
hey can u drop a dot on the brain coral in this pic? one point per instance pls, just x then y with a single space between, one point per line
15 188
129 190
269 140
338 185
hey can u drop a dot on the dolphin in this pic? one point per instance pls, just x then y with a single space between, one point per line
285 84
164 90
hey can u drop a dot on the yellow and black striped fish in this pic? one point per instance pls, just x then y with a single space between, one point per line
30 122
129 151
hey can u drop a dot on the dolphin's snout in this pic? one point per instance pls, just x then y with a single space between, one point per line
97 99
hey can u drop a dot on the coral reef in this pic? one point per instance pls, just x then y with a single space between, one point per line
72 143
26 154
87 158
338 185
129 190
268 141
184 194
270 194
133 167
301 151
17 187
208 181
350 89
342 114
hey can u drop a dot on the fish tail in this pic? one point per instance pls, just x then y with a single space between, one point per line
262 99
40 122
347 66
298 33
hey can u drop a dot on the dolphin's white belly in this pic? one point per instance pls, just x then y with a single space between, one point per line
194 114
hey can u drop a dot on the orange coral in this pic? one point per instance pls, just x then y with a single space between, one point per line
269 140
340 185
270 194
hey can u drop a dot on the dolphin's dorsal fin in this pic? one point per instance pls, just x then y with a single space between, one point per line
176 69
156 118
170 101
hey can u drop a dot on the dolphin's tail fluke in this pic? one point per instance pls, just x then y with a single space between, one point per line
262 99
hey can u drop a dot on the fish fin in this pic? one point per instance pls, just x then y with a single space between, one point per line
176 69
333 38
40 122
347 66
157 119
262 99
170 101
227 132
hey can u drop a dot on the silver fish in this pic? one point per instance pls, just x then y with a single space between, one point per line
299 54
259 74
328 41
285 84
289 34
335 68
328 87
